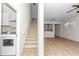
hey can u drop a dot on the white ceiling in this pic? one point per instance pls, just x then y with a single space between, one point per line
57 11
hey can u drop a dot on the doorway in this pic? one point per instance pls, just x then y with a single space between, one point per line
57 30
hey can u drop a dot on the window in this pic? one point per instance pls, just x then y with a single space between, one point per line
48 27
70 24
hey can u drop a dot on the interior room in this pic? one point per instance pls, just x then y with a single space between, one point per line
57 30
8 30
61 29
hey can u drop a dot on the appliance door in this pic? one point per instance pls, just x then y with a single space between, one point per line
8 45
8 42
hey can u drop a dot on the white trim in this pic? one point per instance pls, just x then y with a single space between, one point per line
40 29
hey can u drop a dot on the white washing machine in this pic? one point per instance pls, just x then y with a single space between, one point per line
8 45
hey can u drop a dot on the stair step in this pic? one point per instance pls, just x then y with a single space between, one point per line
30 46
31 42
31 33
31 36
31 39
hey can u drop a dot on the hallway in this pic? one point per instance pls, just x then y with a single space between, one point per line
30 45
61 47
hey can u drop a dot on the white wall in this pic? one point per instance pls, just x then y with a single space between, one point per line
0 27
40 29
8 15
0 20
23 22
51 34
34 10
25 18
70 32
